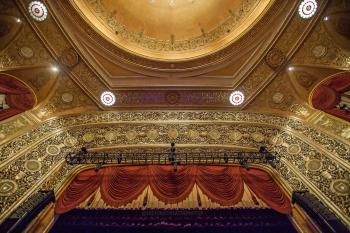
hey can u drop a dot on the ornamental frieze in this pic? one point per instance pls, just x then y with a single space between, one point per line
335 147
323 174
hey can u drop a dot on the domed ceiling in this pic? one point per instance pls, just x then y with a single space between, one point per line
172 29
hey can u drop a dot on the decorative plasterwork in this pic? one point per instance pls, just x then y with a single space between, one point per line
24 50
280 10
320 50
81 72
310 158
190 31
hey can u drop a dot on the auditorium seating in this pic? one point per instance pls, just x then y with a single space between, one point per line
173 220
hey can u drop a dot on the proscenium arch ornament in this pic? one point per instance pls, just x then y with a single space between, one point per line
306 162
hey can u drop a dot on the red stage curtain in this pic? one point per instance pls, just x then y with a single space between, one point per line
84 184
121 185
263 185
18 96
169 186
222 184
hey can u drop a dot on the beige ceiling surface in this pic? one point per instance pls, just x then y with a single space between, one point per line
172 29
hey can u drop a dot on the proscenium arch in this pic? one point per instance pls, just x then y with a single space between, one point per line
295 135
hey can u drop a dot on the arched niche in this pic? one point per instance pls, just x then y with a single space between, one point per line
333 96
15 97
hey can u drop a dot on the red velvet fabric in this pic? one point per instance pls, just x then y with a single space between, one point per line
169 186
222 184
264 187
123 184
18 96
327 95
84 184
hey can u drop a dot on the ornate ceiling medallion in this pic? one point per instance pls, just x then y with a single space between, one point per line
107 98
307 8
37 10
236 98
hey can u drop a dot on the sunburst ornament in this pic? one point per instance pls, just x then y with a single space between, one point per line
307 8
108 98
236 98
37 10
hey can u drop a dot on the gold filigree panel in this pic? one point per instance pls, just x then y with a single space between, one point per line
304 148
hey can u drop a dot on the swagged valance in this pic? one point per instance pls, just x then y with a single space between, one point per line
121 185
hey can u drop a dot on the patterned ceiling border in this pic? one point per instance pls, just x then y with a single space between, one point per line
339 149
228 25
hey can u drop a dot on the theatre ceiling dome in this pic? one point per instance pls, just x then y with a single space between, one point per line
172 29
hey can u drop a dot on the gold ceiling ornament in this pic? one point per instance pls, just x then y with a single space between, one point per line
215 134
276 140
173 133
7 187
110 136
305 79
26 52
152 134
67 97
70 141
341 187
88 137
275 58
319 51
172 97
235 135
53 150
69 58
326 175
193 134
293 149
32 165
131 135
257 137
277 97
300 110
313 165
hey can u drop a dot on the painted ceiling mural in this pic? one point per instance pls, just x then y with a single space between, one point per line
275 62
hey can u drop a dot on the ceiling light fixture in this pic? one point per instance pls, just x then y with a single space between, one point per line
37 10
236 98
307 8
108 98
54 69
18 20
